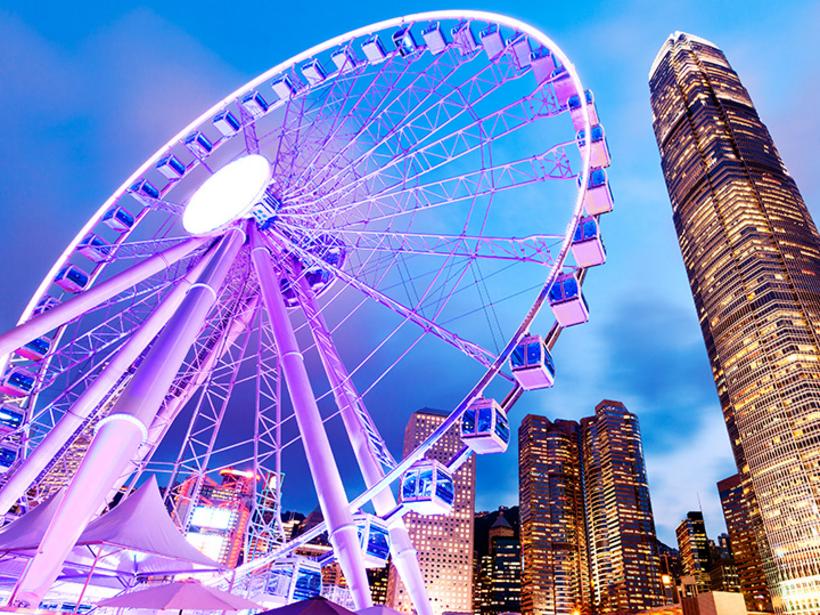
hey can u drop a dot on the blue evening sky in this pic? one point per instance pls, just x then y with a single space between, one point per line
88 90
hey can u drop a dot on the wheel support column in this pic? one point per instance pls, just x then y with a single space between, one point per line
120 434
330 491
404 555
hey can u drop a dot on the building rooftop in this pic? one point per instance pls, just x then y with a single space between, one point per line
671 40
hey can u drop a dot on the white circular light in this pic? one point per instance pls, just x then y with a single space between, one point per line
227 195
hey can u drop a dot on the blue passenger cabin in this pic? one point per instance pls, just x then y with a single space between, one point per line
11 417
576 112
587 246
598 197
199 144
434 38
405 42
171 167
283 87
226 123
7 458
93 248
254 103
319 278
373 49
71 278
563 86
294 578
374 539
427 488
599 155
17 383
36 349
313 72
119 218
344 58
531 363
567 301
144 191
485 427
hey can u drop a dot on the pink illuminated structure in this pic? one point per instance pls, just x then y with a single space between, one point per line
405 194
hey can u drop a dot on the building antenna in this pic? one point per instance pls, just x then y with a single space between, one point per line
700 506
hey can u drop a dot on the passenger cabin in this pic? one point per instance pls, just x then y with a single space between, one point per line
485 427
373 49
119 219
587 247
313 72
199 144
427 488
7 458
491 41
17 383
255 104
599 156
93 248
227 123
434 38
567 302
343 58
531 364
45 304
464 38
318 278
576 111
171 167
283 87
36 349
562 83
374 539
144 191
294 578
598 198
521 50
543 65
11 417
405 42
71 278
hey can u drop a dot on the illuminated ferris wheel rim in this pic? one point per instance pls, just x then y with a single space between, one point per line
488 16
557 263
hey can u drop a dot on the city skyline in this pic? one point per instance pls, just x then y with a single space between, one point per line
570 359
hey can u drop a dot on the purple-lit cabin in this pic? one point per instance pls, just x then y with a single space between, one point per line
294 578
36 349
576 112
199 144
532 364
373 49
434 38
144 191
11 417
543 65
254 103
405 42
313 72
94 248
599 156
71 278
464 38
521 50
567 301
491 41
427 488
587 247
344 58
17 383
227 123
485 427
7 458
171 167
374 539
598 198
283 87
562 83
119 219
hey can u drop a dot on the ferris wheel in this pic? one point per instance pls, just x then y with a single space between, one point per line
394 205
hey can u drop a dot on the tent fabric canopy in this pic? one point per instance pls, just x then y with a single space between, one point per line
311 606
138 533
183 595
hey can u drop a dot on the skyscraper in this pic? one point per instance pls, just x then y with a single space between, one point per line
555 577
693 545
742 543
624 563
444 542
752 254
497 575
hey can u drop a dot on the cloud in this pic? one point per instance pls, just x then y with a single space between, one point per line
684 472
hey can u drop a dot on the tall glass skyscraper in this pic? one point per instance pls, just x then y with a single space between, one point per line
444 542
752 254
694 549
